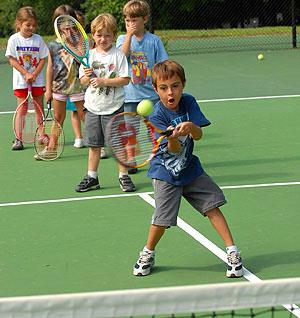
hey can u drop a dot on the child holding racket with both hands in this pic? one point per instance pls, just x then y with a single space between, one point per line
104 97
176 172
26 52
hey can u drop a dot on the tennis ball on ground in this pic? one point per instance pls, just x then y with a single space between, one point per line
145 107
260 57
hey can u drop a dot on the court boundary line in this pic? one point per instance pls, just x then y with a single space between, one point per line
212 247
246 98
242 186
216 250
218 100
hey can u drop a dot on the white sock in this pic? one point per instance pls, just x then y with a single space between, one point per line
93 174
122 174
145 249
232 248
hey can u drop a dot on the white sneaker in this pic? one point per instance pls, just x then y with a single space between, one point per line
234 265
144 264
79 143
46 154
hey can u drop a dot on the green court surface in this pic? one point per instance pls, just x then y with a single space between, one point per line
54 240
218 75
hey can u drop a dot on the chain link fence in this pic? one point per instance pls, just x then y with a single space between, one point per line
228 25
201 26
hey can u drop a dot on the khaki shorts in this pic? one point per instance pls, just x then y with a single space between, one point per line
202 193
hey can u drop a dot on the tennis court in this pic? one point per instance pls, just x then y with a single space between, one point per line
54 240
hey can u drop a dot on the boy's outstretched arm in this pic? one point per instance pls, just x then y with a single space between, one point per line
189 128
183 129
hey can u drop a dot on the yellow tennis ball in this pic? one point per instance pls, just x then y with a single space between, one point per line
260 57
145 107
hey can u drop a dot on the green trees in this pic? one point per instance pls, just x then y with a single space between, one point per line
94 7
44 10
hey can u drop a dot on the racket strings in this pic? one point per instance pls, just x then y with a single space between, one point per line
49 140
26 127
131 140
27 118
71 36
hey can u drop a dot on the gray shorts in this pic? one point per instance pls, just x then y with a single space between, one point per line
95 127
202 193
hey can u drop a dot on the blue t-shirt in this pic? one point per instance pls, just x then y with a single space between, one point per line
143 56
177 168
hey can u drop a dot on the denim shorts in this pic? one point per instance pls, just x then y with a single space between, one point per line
203 194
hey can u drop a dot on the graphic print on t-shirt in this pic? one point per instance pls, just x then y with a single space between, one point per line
28 57
141 73
104 71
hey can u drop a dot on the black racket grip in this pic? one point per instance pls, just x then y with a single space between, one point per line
167 133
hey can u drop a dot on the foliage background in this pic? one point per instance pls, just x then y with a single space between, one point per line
166 14
185 26
44 9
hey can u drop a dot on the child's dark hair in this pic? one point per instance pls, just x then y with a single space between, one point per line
80 17
136 9
24 14
64 9
167 69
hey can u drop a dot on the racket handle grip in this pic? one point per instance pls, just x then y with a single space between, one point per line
167 133
93 75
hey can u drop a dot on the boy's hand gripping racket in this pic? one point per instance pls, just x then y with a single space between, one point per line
131 139
28 115
73 38
49 140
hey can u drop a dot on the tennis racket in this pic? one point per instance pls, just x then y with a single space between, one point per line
28 115
49 139
73 38
132 140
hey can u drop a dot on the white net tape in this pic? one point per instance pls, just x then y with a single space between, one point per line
154 301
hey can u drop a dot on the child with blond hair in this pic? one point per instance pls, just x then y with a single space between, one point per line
104 97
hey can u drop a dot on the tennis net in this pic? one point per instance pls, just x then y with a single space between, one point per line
234 299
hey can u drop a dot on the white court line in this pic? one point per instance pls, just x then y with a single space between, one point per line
260 185
242 186
215 250
182 224
245 98
69 199
217 100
